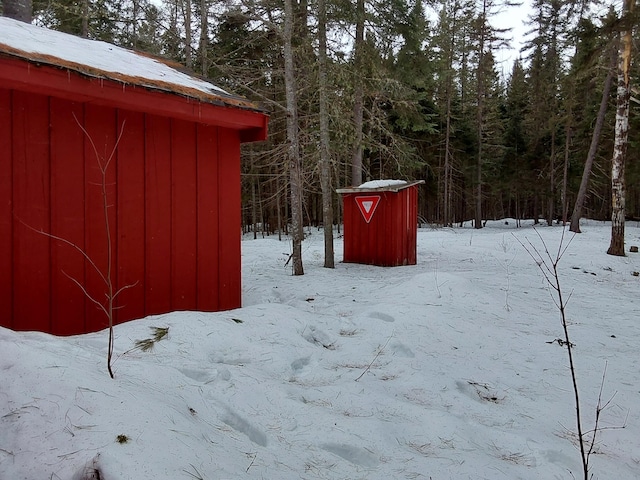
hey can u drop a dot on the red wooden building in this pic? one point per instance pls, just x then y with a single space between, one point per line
68 105
381 223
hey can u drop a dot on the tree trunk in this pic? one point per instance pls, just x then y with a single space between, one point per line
565 172
448 154
552 178
591 155
325 157
18 9
295 168
621 137
187 29
204 36
481 90
358 94
85 19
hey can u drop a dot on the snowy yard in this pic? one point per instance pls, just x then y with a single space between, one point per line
449 369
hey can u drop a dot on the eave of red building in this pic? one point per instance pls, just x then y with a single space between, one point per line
20 74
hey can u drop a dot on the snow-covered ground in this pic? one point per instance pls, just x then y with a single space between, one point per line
449 369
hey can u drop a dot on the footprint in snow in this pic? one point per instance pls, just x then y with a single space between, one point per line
206 376
355 455
385 317
300 363
401 350
312 335
241 425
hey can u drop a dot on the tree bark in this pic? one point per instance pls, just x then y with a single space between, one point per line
621 137
481 90
551 201
295 167
18 10
187 29
448 153
85 19
204 36
358 94
325 156
593 147
565 171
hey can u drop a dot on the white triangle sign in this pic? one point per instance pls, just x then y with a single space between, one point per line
367 205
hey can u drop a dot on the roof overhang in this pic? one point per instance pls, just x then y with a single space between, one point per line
388 188
231 112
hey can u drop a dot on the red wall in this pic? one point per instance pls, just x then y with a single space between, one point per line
173 189
390 237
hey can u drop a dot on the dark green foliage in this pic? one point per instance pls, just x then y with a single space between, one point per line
435 103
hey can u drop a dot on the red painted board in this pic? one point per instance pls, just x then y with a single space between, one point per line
31 259
183 213
67 217
157 215
208 211
229 222
130 216
6 222
100 142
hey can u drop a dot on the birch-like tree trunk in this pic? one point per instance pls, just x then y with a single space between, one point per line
325 155
616 246
295 167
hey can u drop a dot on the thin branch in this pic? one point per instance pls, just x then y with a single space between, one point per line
71 244
380 350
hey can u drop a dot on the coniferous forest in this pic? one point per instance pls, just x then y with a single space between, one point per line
403 89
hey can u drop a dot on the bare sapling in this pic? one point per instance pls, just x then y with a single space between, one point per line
111 293
548 265
108 305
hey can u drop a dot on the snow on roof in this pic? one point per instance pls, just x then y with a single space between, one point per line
381 183
104 60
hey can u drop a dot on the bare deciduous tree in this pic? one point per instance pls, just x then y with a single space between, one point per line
293 138
325 155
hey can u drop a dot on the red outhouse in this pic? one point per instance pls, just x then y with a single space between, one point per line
381 223
114 165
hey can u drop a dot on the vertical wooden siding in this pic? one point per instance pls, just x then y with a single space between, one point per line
207 239
174 216
67 214
31 205
6 216
131 215
390 237
229 189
